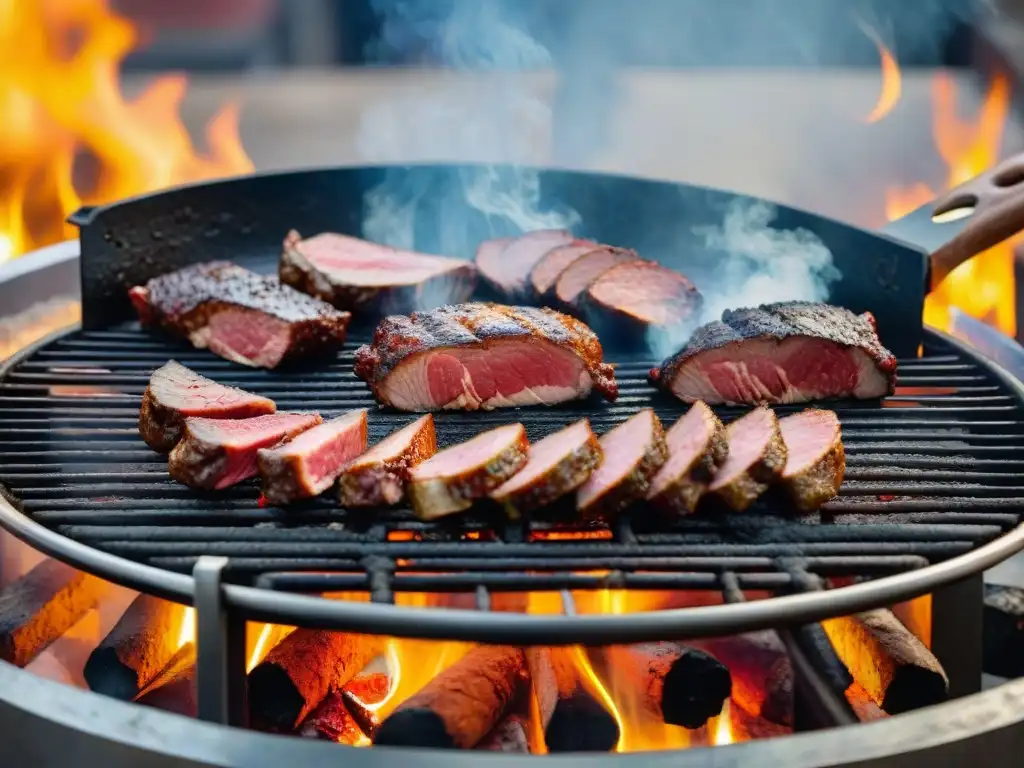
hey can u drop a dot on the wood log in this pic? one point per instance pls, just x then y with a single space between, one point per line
510 735
1004 631
331 721
895 668
298 673
366 690
138 647
41 606
762 675
572 718
461 705
863 707
174 689
679 685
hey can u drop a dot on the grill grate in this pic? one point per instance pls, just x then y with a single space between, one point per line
932 472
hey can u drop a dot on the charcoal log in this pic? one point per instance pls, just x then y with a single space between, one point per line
298 673
895 668
1004 631
510 735
41 606
744 726
174 689
366 690
574 720
863 707
461 705
331 721
138 647
678 685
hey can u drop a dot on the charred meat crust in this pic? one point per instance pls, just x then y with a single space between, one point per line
813 488
477 323
745 488
380 483
161 427
634 485
681 496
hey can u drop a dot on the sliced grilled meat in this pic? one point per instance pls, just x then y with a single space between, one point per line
217 453
586 269
697 447
244 317
358 275
815 458
790 352
483 356
557 464
452 479
379 476
507 270
757 455
175 392
309 464
545 272
633 452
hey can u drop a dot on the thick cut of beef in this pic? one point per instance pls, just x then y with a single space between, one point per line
309 464
244 317
483 356
507 269
633 452
358 275
757 455
545 272
175 392
557 464
697 447
379 476
576 277
815 458
454 478
790 352
217 453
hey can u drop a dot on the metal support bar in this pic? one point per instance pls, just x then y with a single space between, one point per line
220 649
957 626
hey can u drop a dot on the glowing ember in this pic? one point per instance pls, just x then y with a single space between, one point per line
892 81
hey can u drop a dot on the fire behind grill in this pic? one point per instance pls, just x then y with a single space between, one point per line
932 472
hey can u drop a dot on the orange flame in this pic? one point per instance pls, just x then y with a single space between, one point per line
72 137
892 80
187 633
723 727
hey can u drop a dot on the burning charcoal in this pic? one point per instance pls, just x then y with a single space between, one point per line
331 721
1004 631
505 264
815 459
174 689
744 726
756 457
459 706
297 674
367 689
545 273
895 668
697 447
41 606
138 647
678 685
573 719
510 735
379 476
586 269
863 707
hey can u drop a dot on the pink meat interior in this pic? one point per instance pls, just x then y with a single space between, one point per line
748 437
807 436
511 265
547 452
329 446
247 335
687 440
359 262
650 292
587 268
623 448
394 444
546 271
175 386
470 454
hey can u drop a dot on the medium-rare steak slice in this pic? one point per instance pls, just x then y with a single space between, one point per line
545 272
244 317
175 392
815 458
633 452
697 447
557 464
790 352
452 479
358 275
483 356
217 453
379 476
757 455
586 269
308 465
507 269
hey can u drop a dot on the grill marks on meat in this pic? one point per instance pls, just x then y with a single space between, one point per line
545 272
557 464
633 452
309 464
697 447
357 275
505 264
218 453
576 277
483 356
379 476
451 480
815 458
243 317
789 352
175 392
757 455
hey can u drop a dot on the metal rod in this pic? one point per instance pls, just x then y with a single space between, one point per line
220 662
